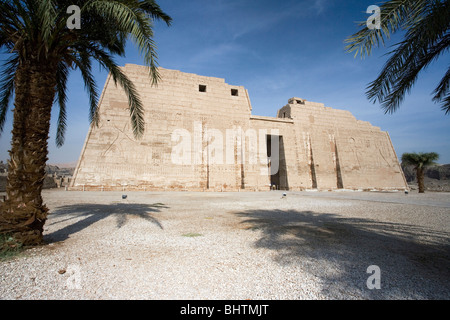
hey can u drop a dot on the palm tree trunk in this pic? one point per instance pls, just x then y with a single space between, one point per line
23 214
420 179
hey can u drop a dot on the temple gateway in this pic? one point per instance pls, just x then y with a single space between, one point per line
200 135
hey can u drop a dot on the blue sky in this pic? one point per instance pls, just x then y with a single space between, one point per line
276 50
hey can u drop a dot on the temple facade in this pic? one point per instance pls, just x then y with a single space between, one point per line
200 135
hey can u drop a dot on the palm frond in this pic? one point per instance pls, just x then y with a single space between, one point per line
85 66
10 23
47 13
406 75
154 10
442 92
136 107
426 39
28 21
445 103
131 20
395 14
62 75
7 87
443 88
38 28
420 160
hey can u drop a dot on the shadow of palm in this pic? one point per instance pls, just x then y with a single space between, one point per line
414 260
85 215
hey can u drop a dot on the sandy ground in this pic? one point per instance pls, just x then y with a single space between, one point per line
187 245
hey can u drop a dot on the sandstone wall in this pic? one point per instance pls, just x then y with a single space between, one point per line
200 135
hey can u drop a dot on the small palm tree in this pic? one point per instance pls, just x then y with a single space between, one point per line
42 50
426 26
420 161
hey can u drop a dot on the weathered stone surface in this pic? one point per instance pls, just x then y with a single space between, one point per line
200 135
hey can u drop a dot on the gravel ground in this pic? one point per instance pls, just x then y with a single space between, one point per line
187 245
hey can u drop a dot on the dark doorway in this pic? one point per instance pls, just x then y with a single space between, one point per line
339 183
277 162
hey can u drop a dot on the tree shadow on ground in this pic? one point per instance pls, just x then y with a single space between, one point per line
85 215
414 260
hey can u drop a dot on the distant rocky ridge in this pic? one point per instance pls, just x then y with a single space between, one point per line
437 177
60 171
56 177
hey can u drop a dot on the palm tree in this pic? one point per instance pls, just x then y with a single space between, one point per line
420 161
425 24
42 50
